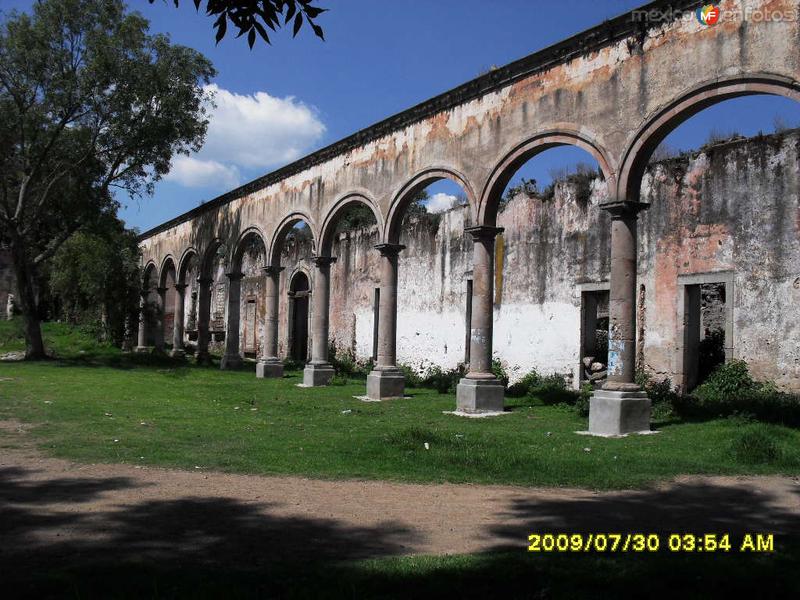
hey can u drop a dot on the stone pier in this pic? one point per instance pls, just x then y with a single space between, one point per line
141 344
480 391
386 380
177 330
319 371
621 406
233 358
202 356
270 365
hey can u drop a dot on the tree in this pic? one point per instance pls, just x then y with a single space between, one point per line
90 103
95 278
250 16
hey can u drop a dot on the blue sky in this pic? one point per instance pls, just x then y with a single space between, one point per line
380 57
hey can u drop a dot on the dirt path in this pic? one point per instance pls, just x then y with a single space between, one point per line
56 510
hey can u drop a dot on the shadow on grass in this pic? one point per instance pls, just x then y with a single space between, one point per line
53 548
221 547
133 360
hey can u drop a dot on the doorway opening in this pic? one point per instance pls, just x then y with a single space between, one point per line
707 325
299 292
249 335
594 333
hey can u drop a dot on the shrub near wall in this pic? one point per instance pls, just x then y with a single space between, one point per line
731 390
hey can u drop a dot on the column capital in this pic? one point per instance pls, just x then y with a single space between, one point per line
389 249
162 290
483 232
234 276
323 261
271 270
180 287
622 209
205 280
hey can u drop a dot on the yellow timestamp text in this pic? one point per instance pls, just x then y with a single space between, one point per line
651 542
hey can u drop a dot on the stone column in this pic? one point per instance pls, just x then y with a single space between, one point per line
480 390
270 365
203 319
621 406
177 329
127 335
319 371
386 380
159 318
141 345
290 307
232 358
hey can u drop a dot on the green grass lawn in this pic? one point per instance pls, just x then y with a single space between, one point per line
95 404
492 575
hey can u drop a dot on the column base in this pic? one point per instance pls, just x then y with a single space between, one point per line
318 375
269 368
385 384
179 353
143 349
202 358
613 412
479 395
231 361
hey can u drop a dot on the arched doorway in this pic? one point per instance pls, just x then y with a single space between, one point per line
299 292
544 178
703 236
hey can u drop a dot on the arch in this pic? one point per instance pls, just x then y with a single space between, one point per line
684 106
391 230
561 135
282 230
167 265
239 246
207 260
298 313
340 206
189 255
300 281
149 269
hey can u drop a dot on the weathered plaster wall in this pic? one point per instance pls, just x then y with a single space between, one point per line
602 90
732 207
614 91
735 208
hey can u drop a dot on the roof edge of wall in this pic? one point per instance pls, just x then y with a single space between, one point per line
606 33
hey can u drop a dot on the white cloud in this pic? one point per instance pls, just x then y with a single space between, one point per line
441 202
259 130
192 172
248 131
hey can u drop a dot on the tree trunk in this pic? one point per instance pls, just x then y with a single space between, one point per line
26 295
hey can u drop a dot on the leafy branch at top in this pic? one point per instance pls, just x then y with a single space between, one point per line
253 17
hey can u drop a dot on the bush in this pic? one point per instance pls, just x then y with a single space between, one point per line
443 381
754 445
290 364
412 377
664 399
552 389
730 390
346 364
582 403
499 371
521 388
728 380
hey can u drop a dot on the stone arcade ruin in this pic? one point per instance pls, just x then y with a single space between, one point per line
667 254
